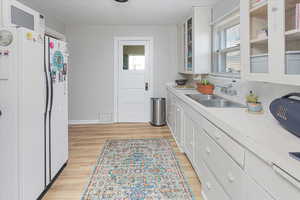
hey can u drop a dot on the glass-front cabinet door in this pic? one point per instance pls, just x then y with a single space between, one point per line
259 41
188 45
291 33
270 40
255 40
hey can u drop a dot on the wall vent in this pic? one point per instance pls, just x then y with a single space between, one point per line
105 117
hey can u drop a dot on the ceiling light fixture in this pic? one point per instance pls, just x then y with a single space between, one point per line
121 1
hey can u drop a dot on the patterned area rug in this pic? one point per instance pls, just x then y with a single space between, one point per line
142 169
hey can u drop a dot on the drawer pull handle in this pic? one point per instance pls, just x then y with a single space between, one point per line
208 151
231 179
287 177
208 185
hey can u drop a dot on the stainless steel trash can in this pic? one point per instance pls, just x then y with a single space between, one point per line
158 111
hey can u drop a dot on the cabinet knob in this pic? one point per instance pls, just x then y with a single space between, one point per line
208 185
208 150
0 113
231 179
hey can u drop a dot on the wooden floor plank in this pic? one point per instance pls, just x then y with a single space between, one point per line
85 145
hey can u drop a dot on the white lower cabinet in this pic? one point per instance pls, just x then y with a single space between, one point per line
189 129
212 190
171 113
175 119
179 125
254 191
276 181
229 174
236 152
226 169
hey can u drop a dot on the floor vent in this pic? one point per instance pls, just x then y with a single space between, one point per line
105 117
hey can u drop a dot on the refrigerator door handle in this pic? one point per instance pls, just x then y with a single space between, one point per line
46 110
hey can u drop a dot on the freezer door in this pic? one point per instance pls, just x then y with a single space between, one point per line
31 85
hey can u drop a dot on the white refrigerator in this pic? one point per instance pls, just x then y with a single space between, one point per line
22 103
56 112
33 112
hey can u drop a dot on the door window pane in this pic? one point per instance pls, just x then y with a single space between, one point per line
134 57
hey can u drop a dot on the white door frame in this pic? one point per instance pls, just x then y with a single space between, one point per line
117 40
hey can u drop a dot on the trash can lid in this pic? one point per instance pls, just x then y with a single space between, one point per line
158 98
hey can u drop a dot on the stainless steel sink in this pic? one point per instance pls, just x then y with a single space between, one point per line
214 101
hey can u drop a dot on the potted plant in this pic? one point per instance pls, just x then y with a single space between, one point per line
253 104
205 87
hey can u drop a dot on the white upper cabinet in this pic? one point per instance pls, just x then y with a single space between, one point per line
270 41
195 42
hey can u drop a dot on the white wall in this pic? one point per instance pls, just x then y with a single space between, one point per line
267 92
223 7
91 65
55 24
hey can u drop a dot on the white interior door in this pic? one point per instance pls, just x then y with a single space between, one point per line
134 85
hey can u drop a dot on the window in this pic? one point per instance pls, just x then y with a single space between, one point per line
226 55
136 62
134 57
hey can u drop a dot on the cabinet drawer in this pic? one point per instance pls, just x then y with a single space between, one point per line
211 188
273 179
230 146
229 174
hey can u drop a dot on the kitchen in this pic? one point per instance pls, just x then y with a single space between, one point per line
229 73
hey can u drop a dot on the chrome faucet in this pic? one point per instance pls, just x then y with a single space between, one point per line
228 89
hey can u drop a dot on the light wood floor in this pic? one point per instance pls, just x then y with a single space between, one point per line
86 142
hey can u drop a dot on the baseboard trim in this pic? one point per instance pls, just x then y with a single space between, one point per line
79 122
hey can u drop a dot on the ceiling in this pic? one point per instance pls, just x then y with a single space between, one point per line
109 12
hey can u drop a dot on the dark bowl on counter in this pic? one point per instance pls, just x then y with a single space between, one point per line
181 82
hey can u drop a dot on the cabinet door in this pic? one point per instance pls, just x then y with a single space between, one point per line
181 46
199 145
171 112
270 37
255 24
169 102
288 12
178 124
189 128
189 45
